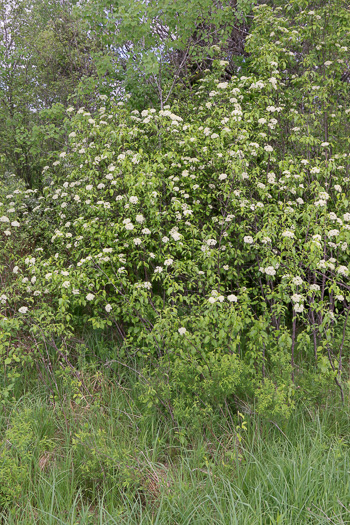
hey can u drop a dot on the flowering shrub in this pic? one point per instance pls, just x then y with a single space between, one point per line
210 235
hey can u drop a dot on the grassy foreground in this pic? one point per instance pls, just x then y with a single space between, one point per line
103 460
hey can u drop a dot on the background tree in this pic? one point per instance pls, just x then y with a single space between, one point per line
45 54
155 47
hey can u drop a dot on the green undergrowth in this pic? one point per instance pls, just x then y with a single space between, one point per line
98 457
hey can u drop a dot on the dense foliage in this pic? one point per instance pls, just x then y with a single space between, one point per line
174 261
209 237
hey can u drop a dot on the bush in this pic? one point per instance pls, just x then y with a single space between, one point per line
211 236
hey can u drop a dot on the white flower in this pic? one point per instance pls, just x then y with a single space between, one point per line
66 284
182 330
297 298
158 269
322 264
297 280
147 285
268 148
288 234
248 239
33 280
343 270
333 233
324 195
211 242
176 235
340 297
270 270
232 298
15 224
108 308
133 200
223 176
137 241
140 219
129 226
75 291
15 269
298 308
4 219
168 262
23 310
315 287
325 144
165 239
212 300
90 297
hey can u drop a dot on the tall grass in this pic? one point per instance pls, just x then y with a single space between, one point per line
103 460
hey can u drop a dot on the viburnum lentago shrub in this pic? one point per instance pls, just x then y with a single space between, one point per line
211 236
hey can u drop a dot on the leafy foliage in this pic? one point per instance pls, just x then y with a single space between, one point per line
175 210
210 235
